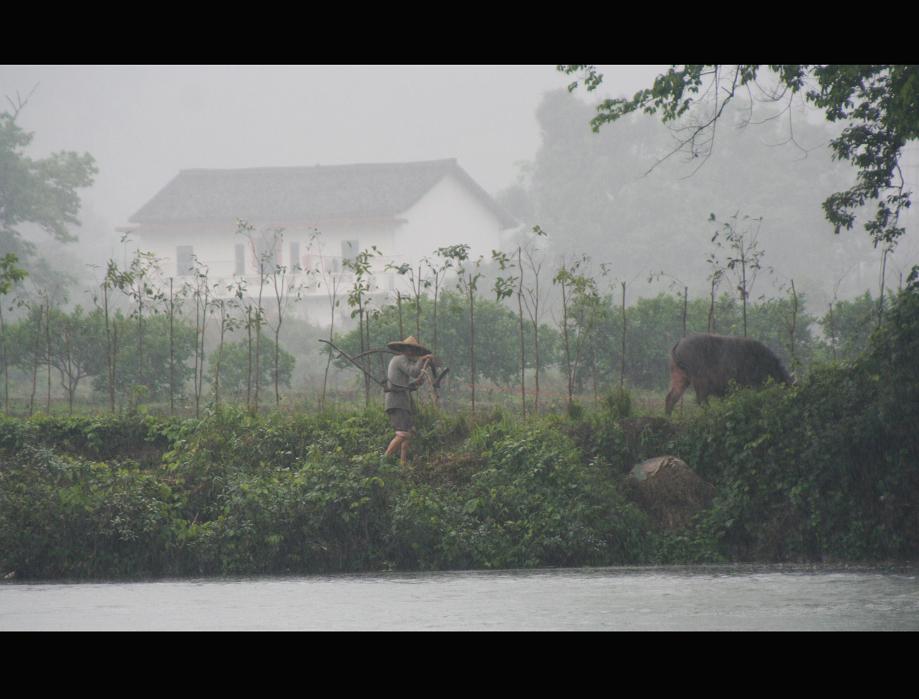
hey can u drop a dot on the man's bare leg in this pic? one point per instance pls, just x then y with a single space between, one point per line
395 444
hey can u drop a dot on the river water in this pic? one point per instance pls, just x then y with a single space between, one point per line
697 598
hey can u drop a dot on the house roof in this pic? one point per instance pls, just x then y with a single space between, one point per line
315 194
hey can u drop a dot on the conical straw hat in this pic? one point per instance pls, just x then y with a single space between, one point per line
409 343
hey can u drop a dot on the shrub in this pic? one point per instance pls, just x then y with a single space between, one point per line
62 516
823 471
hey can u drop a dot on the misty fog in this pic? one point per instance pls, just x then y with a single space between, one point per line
640 213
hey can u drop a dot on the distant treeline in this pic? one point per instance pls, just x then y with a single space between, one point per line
49 351
821 471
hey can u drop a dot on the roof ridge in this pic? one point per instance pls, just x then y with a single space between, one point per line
276 168
359 189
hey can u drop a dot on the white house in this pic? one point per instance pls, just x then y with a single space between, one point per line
406 210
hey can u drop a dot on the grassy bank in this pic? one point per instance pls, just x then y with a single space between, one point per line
828 470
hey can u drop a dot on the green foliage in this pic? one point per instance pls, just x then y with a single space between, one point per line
61 516
619 403
878 103
326 515
821 471
143 439
10 274
234 366
654 325
155 368
597 188
241 494
847 326
497 333
535 503
41 192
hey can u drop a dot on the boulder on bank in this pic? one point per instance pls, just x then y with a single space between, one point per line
646 435
668 490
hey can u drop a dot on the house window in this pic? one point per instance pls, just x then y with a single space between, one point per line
185 263
240 258
349 249
268 251
294 257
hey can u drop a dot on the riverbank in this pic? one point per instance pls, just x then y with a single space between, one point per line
825 471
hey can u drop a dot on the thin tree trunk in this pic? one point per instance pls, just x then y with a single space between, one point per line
743 293
48 355
35 354
435 392
197 354
277 359
794 323
108 351
223 327
70 385
114 365
200 377
711 309
6 369
367 345
434 344
249 356
472 342
593 372
535 318
360 330
523 390
881 296
325 378
279 299
140 333
172 376
567 344
418 307
258 338
536 363
622 356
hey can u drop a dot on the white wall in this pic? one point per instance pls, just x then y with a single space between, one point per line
215 245
449 214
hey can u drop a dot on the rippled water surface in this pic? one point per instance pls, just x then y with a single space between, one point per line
603 599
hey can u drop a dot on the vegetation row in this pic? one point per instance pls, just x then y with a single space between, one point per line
826 470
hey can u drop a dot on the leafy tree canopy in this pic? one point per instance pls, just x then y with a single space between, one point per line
594 192
879 105
42 192
10 274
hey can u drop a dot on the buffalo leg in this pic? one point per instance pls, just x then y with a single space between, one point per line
679 382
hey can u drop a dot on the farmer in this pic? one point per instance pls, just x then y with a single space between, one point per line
405 374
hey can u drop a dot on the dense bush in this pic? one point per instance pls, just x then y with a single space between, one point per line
67 517
828 470
534 502
825 470
99 437
238 494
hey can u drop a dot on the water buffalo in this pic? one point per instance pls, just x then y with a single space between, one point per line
710 362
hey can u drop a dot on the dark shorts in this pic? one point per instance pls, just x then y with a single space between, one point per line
402 420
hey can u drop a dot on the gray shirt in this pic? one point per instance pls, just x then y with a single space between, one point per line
403 375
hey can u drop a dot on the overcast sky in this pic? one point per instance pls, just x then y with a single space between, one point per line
143 124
